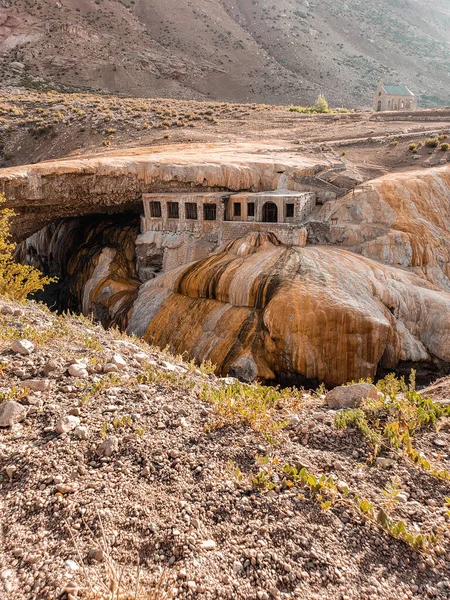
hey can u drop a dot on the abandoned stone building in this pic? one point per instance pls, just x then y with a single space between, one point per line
229 215
393 97
178 228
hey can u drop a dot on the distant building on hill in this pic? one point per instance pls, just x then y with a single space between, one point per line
393 97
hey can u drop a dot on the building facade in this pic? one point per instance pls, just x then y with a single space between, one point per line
230 216
393 98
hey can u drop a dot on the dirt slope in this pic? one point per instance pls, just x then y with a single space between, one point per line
240 50
100 473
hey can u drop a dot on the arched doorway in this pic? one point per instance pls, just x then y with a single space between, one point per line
379 106
270 213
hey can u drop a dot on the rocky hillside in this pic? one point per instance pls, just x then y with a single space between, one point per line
240 50
126 473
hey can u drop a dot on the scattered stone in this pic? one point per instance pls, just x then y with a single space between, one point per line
110 368
6 310
50 367
96 554
141 357
66 424
11 412
81 432
78 370
385 462
108 447
71 565
24 347
440 443
350 396
118 361
36 385
208 545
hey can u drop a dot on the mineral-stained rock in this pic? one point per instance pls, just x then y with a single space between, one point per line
11 413
349 396
315 313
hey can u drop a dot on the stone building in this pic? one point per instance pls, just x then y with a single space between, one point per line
178 228
230 215
393 97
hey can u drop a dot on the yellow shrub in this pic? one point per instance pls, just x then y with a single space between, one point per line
16 281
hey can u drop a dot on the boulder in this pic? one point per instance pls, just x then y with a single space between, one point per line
11 413
351 396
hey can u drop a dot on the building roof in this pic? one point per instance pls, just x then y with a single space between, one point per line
397 90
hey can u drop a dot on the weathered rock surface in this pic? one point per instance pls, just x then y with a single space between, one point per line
50 190
401 219
315 313
350 396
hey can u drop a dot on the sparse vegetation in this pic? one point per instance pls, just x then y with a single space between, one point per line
16 281
320 107
391 422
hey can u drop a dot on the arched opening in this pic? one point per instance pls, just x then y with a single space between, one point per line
379 106
270 213
389 105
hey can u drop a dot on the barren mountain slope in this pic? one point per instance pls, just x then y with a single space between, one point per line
240 50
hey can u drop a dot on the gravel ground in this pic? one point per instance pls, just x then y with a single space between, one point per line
110 483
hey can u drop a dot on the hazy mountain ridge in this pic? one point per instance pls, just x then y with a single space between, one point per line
242 50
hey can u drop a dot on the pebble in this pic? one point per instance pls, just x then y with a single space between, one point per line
439 443
108 447
110 368
81 432
384 462
24 347
208 545
71 565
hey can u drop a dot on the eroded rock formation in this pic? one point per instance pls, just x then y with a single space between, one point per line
115 183
259 309
94 260
370 291
402 219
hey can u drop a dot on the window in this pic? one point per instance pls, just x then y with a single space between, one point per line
155 210
174 211
290 210
209 212
251 209
237 209
191 210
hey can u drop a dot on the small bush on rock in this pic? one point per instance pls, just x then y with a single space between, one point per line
16 281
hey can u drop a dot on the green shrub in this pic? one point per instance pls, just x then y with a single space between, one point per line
432 142
444 147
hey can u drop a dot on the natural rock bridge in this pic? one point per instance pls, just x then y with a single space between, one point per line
369 291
